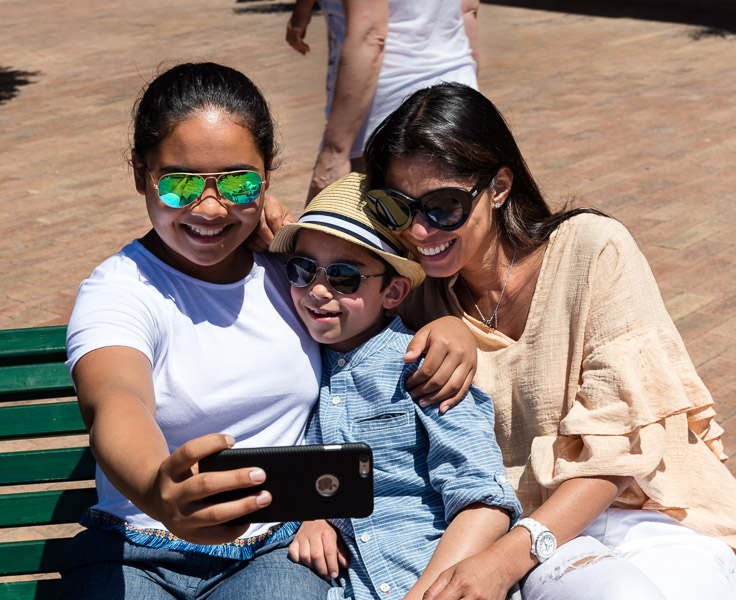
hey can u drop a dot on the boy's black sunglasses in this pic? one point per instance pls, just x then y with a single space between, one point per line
445 208
342 277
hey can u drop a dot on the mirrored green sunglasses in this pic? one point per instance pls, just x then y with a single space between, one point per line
181 189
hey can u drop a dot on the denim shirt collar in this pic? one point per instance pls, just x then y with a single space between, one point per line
390 334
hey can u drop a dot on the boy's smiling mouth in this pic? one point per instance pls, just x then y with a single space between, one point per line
321 314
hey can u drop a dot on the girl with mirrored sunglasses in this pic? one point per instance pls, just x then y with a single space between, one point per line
606 429
156 347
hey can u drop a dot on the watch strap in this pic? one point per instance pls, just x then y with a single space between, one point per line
536 529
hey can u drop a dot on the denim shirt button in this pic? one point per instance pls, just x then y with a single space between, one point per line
341 362
336 400
385 587
365 537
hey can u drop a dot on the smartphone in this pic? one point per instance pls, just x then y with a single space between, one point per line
306 482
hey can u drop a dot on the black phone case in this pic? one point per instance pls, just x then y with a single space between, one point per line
306 482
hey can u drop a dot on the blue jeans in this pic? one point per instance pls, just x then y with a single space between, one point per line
99 564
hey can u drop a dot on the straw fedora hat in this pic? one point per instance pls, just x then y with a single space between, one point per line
341 209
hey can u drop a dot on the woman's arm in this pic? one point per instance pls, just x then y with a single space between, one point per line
465 466
357 77
489 574
117 402
472 530
449 364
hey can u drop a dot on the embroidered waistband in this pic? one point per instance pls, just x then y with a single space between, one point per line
242 548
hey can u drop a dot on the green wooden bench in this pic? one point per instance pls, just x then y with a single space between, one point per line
40 478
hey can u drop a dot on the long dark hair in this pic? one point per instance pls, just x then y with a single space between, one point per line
177 93
465 134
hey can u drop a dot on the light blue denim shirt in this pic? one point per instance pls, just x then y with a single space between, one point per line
427 466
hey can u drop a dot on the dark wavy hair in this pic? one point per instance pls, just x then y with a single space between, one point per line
462 131
177 93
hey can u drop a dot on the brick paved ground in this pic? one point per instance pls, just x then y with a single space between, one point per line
633 115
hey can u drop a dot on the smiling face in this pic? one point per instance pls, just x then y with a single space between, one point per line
204 239
443 253
344 321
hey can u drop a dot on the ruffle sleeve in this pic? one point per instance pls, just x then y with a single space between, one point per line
640 408
632 415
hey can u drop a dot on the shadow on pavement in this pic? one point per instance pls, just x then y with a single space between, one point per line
11 80
263 6
715 17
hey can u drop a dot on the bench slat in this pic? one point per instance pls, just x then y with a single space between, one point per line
32 368
29 590
40 466
43 380
45 508
37 420
37 556
35 344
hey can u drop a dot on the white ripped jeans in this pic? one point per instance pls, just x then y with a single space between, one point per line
635 555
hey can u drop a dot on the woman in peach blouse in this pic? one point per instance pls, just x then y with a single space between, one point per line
607 431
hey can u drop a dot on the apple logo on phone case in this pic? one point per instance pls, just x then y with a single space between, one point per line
327 485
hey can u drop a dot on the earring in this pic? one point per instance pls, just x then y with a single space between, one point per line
496 205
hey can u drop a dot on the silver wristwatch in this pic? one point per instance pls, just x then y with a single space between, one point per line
544 542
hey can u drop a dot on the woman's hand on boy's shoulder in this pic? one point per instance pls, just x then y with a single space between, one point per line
274 216
450 361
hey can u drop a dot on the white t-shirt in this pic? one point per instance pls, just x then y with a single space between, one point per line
232 358
426 44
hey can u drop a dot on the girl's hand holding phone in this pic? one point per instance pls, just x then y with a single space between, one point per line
180 491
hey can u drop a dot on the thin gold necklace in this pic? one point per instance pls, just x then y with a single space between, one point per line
492 323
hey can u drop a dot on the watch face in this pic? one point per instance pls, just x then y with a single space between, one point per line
546 545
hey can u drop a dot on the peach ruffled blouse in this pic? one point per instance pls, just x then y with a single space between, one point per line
600 383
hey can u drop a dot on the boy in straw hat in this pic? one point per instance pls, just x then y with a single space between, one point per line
347 271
